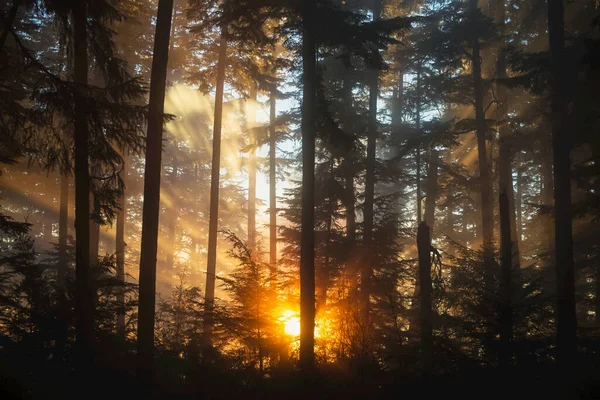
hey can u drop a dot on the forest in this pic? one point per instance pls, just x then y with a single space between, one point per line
328 199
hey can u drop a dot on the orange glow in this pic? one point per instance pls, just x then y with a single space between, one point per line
291 324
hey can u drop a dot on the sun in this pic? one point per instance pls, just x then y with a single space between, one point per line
291 323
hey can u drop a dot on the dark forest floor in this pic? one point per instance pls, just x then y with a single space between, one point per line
23 379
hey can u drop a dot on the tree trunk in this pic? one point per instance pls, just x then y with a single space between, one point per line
519 204
432 189
425 294
173 211
7 23
547 195
84 326
120 254
418 150
63 220
368 213
505 173
507 268
487 223
307 239
211 269
149 245
566 322
252 172
273 184
94 234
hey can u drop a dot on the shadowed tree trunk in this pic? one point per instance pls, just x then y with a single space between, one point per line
120 253
173 211
425 292
145 344
7 22
84 327
519 203
252 172
368 213
566 322
94 234
506 265
418 150
547 197
211 269
63 221
432 188
273 183
505 156
487 224
307 239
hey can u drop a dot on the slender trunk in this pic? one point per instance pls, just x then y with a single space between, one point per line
147 288
449 214
8 22
487 223
398 100
507 267
349 197
307 239
273 184
63 220
120 254
566 322
211 269
432 181
84 326
418 150
323 281
425 293
172 222
94 234
252 172
547 195
505 156
519 204
368 213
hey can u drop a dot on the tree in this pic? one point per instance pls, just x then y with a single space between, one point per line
152 192
307 241
566 322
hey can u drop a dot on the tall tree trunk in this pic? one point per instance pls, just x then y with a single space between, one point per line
120 254
94 233
273 183
7 23
487 223
566 322
173 211
211 269
63 220
84 325
425 294
519 204
307 238
432 181
547 197
147 288
418 150
505 156
252 172
506 284
349 196
368 213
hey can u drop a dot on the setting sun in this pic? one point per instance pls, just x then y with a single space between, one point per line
291 323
